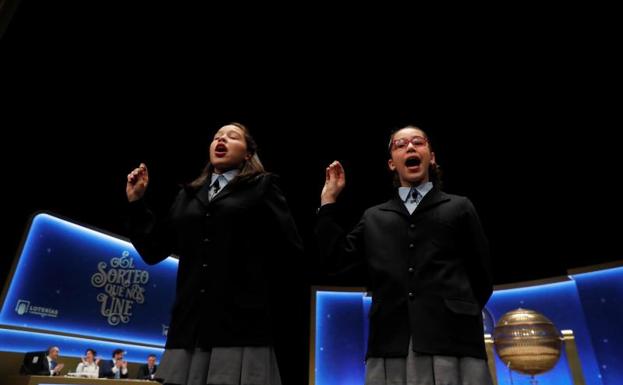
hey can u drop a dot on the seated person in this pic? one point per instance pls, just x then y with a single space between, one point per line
42 363
89 365
115 368
147 371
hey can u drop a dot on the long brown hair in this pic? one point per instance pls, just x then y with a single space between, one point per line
434 170
248 168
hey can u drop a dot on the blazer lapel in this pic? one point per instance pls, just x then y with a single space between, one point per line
396 205
433 198
204 194
225 191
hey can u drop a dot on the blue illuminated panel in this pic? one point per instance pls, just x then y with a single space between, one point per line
79 281
590 304
561 304
341 335
601 294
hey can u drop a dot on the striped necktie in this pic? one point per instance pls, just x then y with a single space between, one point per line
216 187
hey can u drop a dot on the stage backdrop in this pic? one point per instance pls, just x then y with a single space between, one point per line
77 287
588 303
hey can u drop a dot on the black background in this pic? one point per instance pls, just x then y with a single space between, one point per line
522 117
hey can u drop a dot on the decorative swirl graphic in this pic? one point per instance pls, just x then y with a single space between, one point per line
123 288
101 297
99 279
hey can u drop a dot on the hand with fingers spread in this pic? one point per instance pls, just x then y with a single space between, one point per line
58 368
335 180
137 183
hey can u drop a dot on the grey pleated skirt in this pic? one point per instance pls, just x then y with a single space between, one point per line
425 369
219 366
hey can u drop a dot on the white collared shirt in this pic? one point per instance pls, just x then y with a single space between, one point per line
50 365
223 180
406 194
124 371
91 370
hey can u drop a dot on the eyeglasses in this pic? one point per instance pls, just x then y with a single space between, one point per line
416 141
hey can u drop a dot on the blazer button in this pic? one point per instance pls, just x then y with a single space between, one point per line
412 226
411 295
411 245
411 270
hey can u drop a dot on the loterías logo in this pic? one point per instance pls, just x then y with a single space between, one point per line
123 286
24 307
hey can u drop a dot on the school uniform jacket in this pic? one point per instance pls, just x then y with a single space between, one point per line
428 273
229 249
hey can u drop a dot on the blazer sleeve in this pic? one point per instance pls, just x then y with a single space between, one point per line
143 373
478 264
106 369
152 237
286 234
45 368
338 250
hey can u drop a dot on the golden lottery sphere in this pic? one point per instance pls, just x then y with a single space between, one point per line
527 341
